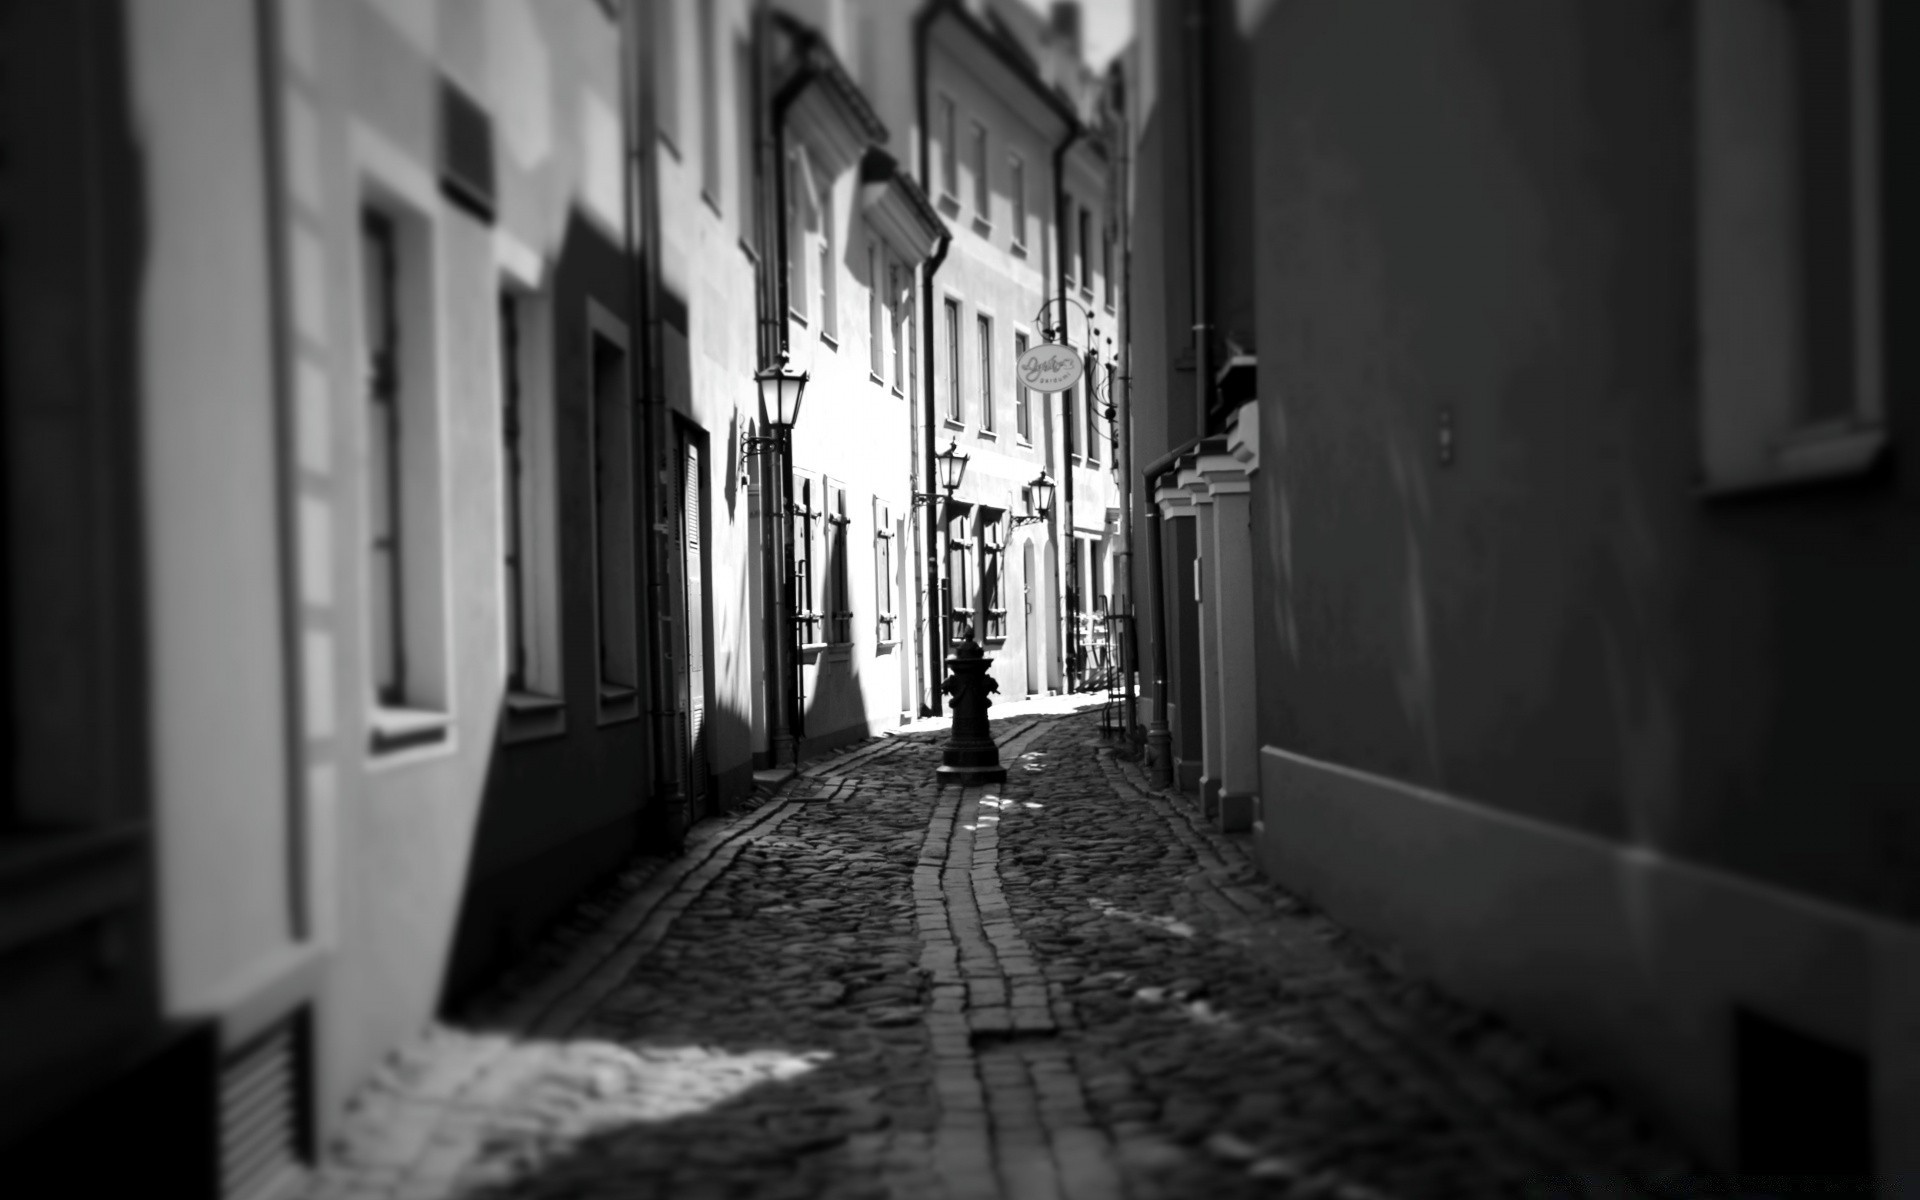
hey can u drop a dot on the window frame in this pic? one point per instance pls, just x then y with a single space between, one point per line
961 583
879 310
993 581
616 568
1017 190
1085 251
886 623
709 68
949 150
829 282
420 723
1762 421
803 525
982 183
1022 394
983 336
533 695
955 412
839 598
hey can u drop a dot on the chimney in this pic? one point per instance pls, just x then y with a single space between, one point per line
1066 25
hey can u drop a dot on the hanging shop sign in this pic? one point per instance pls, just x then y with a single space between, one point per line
1050 367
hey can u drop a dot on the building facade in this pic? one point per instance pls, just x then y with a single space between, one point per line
1540 607
396 538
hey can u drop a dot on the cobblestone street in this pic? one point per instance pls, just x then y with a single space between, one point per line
1069 986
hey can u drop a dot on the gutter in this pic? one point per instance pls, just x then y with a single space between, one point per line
1070 558
642 229
934 612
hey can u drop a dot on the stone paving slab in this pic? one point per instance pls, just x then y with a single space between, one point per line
1066 987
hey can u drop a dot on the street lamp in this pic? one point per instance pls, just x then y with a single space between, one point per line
780 391
1039 501
950 467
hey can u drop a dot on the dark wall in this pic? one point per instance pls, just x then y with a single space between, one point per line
1487 208
560 811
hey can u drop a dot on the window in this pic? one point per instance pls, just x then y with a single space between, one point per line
839 605
984 334
616 616
878 303
1022 423
1789 240
805 524
1091 423
949 149
981 193
962 593
1017 185
666 66
709 70
513 489
387 621
885 621
799 228
744 171
1070 421
1106 268
405 569
829 317
1068 265
993 551
530 566
902 310
953 360
1084 254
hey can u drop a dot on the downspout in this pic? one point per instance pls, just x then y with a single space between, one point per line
1069 556
771 222
642 221
785 630
1123 416
1197 163
934 611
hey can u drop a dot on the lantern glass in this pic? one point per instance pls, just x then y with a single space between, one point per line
780 392
952 465
1042 493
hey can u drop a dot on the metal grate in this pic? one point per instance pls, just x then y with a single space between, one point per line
260 1115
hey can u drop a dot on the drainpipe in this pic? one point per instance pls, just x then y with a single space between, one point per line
1123 407
1197 163
792 727
1071 559
934 611
641 233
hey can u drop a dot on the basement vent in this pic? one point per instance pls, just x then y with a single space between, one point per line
261 1134
1805 1106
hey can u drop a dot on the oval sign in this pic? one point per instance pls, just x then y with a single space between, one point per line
1050 367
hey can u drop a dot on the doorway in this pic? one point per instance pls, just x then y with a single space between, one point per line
1036 666
691 672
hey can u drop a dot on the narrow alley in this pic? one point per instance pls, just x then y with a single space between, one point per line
1070 986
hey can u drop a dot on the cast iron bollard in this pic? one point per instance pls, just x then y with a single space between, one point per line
970 755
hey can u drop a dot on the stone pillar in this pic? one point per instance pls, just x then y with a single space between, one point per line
1196 485
1234 720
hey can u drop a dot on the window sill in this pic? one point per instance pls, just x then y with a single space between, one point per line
406 728
532 715
706 197
948 204
797 317
988 434
618 702
840 652
954 423
1825 453
876 379
899 391
983 227
829 341
1019 249
666 140
886 645
746 248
